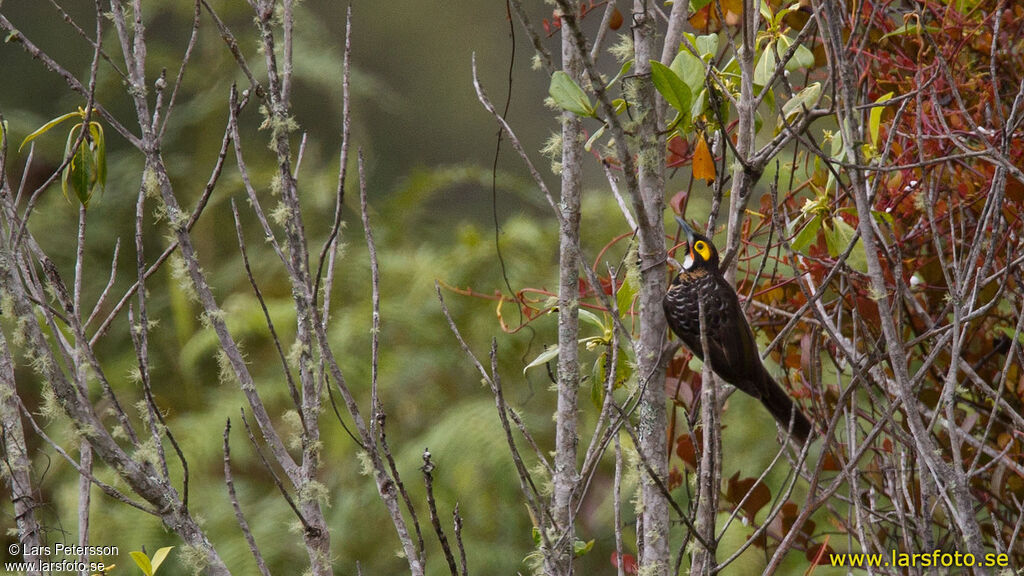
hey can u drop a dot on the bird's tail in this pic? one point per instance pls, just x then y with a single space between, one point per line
784 410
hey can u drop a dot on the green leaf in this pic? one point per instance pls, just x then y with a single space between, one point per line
546 356
594 137
65 175
569 96
808 97
838 237
100 148
673 125
910 28
160 556
597 381
875 118
142 561
624 296
883 217
802 57
46 127
626 66
707 45
836 148
670 86
700 103
765 67
592 319
580 547
80 172
783 12
690 69
698 4
599 376
807 234
1009 331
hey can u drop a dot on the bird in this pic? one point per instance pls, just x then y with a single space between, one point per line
730 340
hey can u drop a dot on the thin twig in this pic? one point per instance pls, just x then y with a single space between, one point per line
428 481
239 517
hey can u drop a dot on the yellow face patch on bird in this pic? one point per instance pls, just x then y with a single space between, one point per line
701 249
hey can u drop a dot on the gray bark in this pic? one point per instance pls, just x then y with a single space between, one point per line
559 560
651 361
16 466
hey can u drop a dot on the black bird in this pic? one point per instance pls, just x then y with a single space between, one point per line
734 355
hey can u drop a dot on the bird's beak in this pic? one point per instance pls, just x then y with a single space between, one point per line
689 234
686 228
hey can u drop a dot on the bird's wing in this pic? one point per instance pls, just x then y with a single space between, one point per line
734 354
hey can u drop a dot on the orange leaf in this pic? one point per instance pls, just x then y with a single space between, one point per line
703 164
732 10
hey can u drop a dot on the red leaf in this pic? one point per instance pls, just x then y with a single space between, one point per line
678 153
685 449
819 554
678 201
628 562
738 488
789 513
615 22
675 479
831 463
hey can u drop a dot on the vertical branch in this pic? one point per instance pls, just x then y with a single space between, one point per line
651 361
617 507
242 523
710 469
371 248
331 243
435 520
15 466
457 527
744 175
566 477
84 450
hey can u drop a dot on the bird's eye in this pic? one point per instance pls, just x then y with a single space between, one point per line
699 246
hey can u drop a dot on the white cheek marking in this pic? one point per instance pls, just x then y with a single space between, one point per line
688 262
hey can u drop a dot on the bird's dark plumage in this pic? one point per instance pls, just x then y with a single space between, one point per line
730 341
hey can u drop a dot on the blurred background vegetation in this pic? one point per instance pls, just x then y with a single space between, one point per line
430 149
